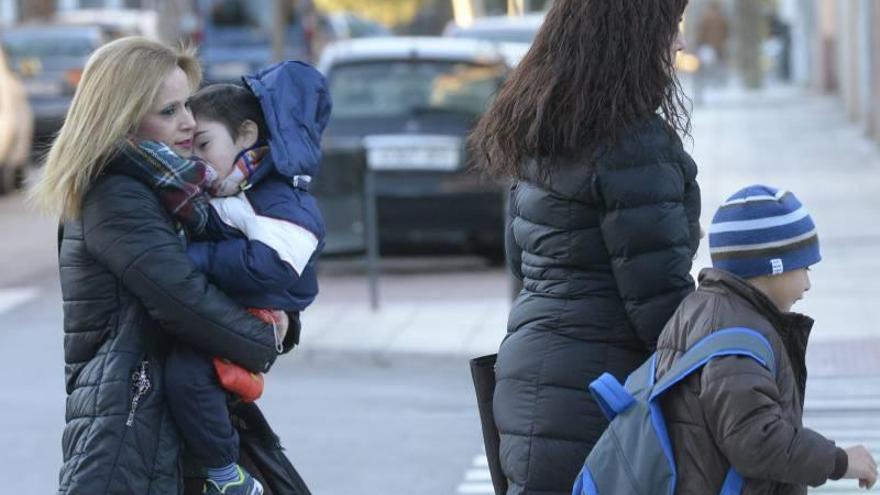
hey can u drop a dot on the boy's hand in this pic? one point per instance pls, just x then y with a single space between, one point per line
861 466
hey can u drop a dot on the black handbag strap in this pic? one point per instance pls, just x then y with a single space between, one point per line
483 373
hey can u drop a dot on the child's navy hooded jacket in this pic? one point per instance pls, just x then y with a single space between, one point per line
272 264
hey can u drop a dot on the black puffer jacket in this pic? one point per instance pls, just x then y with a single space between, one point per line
604 251
129 289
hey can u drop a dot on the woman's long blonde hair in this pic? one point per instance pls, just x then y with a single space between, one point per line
118 86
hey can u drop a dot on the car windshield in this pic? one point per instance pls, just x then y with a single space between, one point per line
406 88
48 45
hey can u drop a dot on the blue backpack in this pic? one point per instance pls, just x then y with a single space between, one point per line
634 455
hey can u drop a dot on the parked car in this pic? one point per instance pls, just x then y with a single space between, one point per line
500 29
403 107
340 26
347 25
234 37
115 23
49 59
16 128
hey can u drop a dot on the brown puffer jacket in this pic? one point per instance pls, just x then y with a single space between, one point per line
733 411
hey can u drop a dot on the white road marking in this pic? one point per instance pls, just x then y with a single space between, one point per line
475 488
13 297
477 480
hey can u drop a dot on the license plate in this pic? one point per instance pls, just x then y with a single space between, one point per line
437 153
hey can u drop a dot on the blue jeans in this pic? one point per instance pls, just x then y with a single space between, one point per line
199 407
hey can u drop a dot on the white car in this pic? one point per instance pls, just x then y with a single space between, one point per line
16 129
513 35
500 29
373 49
346 25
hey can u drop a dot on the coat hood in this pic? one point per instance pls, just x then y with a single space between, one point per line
296 105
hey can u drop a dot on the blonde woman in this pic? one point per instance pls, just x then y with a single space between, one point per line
129 289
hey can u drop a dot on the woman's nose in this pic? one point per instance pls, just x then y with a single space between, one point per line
187 123
680 42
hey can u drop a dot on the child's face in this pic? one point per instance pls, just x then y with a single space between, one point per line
213 143
786 288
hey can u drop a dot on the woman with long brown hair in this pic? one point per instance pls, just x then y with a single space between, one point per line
602 227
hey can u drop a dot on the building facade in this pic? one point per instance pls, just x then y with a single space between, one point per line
836 52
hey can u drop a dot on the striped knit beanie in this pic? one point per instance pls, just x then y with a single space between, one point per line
762 231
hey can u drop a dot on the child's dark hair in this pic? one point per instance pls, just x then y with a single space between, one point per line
231 105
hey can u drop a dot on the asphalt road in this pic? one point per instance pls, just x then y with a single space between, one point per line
351 423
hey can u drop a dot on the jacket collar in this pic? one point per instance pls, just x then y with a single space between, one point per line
793 328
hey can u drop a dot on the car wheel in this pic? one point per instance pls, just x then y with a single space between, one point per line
494 255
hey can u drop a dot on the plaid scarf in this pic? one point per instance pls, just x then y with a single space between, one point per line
179 182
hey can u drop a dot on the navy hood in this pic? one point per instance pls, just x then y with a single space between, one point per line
296 105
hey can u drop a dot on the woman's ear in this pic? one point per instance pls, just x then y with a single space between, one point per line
248 134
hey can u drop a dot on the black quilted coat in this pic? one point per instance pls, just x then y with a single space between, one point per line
129 289
604 250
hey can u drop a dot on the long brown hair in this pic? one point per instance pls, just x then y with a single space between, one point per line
595 67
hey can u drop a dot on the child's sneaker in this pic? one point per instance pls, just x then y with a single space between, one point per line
244 485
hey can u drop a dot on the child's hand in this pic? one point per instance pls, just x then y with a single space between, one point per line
861 466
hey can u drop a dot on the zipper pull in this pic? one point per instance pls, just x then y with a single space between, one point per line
279 344
141 384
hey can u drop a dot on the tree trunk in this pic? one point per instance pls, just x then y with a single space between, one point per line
37 9
749 36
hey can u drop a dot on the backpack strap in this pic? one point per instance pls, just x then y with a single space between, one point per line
728 342
733 483
611 396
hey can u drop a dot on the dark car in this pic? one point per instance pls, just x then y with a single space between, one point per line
49 59
403 107
235 37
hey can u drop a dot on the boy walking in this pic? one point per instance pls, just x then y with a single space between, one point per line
734 412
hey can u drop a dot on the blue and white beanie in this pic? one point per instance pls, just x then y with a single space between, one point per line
762 231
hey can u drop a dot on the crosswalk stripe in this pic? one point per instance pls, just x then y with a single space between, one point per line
478 475
11 298
477 480
475 488
846 410
842 487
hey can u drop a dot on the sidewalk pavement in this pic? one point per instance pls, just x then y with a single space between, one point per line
788 139
458 308
781 137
